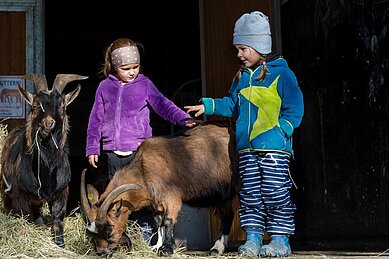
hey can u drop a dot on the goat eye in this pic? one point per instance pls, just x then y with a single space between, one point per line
107 231
92 234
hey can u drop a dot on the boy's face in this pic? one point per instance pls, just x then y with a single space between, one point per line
128 72
247 55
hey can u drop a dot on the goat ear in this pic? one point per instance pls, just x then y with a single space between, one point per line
26 95
72 95
118 208
93 194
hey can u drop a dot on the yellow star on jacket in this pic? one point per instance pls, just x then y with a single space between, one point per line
268 102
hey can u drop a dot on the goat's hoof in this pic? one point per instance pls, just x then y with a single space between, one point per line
59 242
213 252
165 251
61 245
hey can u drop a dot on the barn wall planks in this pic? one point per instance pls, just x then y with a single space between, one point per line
13 49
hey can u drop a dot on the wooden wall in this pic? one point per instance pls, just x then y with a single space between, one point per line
219 56
13 49
220 63
21 42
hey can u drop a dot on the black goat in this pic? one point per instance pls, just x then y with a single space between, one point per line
34 161
197 168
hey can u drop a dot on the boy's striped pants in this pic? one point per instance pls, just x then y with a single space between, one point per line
265 203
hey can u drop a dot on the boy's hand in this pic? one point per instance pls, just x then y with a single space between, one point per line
199 109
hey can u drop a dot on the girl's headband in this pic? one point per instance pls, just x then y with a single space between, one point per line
125 56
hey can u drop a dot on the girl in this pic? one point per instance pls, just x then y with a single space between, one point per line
268 104
120 116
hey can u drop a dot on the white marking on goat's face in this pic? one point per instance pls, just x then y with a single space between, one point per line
92 228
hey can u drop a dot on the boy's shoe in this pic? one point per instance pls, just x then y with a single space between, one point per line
252 246
278 247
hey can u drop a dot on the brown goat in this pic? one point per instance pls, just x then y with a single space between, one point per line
34 160
196 168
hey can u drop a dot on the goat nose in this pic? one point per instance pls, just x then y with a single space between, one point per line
49 123
102 251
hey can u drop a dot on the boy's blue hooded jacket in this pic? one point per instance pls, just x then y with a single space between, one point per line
267 111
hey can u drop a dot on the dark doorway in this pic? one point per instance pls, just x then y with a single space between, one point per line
76 35
339 51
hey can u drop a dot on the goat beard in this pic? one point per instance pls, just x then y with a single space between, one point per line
44 132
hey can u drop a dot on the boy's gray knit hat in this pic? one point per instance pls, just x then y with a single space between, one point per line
253 30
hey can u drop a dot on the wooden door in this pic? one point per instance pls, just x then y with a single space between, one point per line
21 42
219 61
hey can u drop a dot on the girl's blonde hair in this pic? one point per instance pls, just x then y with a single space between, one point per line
108 68
261 77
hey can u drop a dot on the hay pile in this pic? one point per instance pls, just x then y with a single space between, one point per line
21 239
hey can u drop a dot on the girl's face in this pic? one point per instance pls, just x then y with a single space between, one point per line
248 56
127 73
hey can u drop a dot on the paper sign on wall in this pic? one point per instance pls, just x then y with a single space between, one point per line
12 105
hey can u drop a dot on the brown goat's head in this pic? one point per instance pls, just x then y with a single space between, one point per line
107 216
48 113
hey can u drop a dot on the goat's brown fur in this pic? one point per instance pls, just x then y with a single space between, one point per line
196 168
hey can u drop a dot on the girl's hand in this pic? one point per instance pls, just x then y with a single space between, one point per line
93 159
192 123
199 109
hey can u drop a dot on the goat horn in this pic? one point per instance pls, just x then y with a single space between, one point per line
39 81
101 218
84 197
61 80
